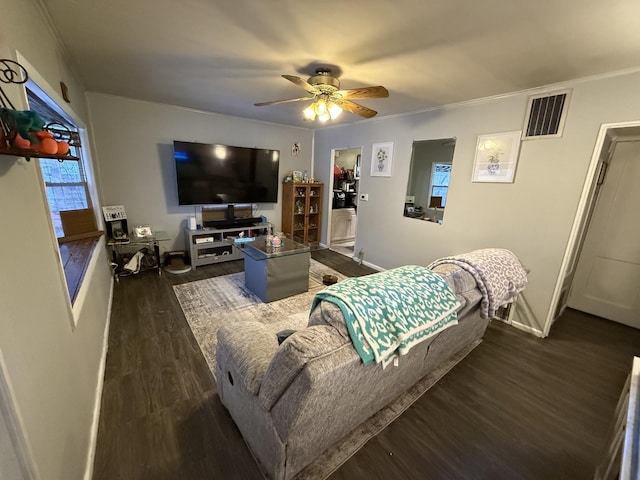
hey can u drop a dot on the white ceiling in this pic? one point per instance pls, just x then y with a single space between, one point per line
225 55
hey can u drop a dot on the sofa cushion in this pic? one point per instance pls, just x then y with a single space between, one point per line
294 353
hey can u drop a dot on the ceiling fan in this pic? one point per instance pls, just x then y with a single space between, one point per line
328 99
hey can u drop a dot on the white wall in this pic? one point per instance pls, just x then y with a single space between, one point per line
531 217
52 370
134 141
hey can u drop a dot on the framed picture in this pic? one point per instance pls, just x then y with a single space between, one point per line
496 157
381 159
143 231
297 176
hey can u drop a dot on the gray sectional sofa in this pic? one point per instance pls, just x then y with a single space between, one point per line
293 401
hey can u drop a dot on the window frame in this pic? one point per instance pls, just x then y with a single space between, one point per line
41 88
434 166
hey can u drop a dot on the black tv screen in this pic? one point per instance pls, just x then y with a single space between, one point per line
213 173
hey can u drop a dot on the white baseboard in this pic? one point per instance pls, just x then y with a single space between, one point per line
529 329
369 264
93 440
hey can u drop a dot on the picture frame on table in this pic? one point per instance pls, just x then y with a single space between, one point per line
496 157
143 231
381 159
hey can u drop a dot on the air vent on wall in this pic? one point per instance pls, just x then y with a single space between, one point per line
546 114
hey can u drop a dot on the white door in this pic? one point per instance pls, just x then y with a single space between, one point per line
607 278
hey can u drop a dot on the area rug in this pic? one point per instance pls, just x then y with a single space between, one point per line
210 303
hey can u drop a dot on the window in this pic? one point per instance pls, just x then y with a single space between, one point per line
65 181
67 187
440 185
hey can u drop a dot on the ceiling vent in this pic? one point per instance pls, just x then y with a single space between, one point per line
546 114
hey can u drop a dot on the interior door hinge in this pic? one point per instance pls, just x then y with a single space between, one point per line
602 174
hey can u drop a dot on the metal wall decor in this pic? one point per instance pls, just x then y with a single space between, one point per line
12 72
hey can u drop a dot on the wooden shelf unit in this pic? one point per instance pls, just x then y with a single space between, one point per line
215 247
302 211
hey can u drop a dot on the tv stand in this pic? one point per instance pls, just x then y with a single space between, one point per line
209 245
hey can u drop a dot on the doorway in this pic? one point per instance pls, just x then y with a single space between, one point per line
607 273
608 135
343 218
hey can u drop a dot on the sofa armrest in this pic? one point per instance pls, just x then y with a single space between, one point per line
244 352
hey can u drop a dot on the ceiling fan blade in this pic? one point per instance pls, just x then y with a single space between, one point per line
301 99
357 109
365 92
302 83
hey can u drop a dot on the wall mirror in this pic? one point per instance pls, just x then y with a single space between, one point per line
428 184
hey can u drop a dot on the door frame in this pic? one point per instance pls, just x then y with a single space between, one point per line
580 224
20 449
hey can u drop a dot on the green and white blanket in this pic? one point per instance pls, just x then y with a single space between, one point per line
389 312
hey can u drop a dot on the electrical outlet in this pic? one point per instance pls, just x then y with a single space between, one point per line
364 197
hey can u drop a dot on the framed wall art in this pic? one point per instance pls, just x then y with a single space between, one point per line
381 159
496 157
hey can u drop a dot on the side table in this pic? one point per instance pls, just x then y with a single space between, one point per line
136 241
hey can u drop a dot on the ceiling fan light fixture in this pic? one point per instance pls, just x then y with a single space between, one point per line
327 99
321 106
334 110
309 113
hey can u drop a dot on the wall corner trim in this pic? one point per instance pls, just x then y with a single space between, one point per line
93 440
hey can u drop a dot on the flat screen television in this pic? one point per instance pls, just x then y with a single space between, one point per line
212 174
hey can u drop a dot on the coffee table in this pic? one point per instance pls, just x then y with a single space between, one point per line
273 273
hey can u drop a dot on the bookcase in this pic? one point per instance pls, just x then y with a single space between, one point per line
302 211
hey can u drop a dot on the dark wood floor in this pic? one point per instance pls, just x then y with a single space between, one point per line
517 407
